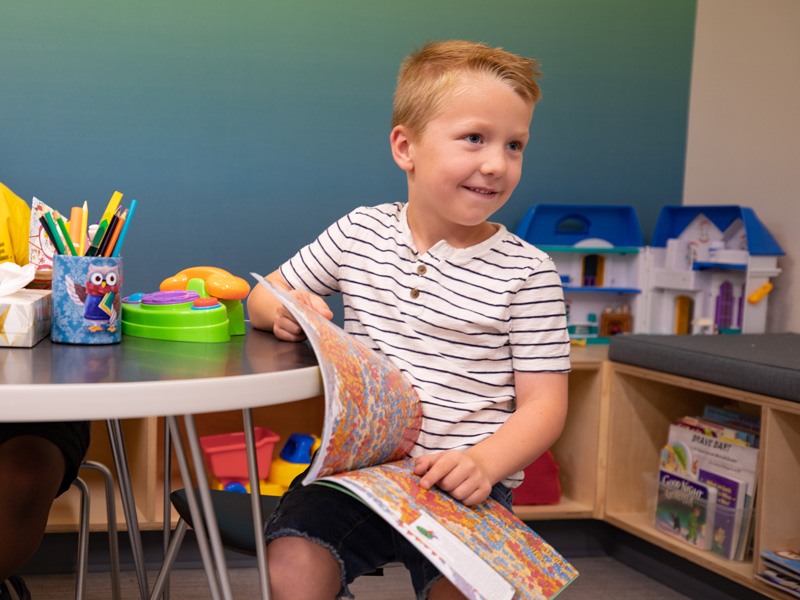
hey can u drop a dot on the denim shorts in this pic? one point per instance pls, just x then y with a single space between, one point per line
360 540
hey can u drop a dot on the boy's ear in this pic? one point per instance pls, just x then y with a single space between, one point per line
401 148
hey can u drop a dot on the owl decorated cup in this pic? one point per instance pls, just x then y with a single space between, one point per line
86 300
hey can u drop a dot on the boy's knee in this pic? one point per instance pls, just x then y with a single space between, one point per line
300 568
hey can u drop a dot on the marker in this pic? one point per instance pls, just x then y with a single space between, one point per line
118 245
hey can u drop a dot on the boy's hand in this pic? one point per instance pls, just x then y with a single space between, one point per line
286 328
455 472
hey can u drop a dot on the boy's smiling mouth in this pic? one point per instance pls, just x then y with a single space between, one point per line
482 191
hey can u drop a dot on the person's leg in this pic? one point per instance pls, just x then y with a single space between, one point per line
31 472
300 569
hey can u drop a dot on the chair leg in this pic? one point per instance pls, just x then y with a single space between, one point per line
111 514
170 555
83 540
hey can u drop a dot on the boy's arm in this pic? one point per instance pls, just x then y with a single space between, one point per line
534 426
268 313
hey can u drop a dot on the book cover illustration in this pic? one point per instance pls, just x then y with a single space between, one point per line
685 509
372 419
728 515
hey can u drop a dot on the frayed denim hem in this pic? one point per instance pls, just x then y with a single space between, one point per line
286 532
424 593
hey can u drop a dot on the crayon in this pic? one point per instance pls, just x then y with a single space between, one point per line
75 225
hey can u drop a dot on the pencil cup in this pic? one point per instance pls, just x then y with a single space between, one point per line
86 300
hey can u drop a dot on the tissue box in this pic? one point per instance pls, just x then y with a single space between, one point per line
24 318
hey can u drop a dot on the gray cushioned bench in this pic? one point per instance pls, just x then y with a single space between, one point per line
766 364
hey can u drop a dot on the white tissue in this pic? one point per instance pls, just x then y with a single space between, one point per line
13 277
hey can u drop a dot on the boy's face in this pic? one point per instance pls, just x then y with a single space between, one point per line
467 162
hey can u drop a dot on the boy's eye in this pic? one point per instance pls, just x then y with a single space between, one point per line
473 138
515 146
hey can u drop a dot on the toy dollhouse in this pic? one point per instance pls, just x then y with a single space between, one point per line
596 250
707 270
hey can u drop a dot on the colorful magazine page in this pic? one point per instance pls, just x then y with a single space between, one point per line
372 414
372 420
485 550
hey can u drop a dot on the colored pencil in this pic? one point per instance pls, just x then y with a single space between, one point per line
46 228
54 231
101 250
118 245
98 237
84 225
115 234
64 231
111 208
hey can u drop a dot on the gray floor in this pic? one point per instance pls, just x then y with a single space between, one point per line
600 578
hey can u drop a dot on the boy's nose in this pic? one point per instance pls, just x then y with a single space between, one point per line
494 162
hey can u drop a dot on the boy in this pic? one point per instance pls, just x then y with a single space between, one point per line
471 314
38 461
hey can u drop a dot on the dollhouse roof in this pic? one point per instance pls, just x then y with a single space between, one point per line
674 219
570 224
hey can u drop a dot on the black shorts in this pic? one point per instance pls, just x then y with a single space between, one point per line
71 437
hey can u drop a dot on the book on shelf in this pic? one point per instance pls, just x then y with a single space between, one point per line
719 430
372 420
729 513
685 509
732 418
730 468
780 581
785 561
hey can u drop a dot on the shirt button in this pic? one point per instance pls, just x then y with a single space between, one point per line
415 293
422 269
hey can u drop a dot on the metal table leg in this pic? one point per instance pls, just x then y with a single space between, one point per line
255 499
208 508
117 442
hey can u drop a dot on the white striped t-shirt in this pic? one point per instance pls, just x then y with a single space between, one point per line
456 322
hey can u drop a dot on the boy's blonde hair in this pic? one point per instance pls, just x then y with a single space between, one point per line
429 75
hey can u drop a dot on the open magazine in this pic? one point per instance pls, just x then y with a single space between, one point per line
372 419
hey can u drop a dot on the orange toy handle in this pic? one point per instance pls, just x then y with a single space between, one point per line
219 283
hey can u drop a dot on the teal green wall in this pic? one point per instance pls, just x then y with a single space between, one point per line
243 128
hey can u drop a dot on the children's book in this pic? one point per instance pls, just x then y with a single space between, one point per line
685 509
732 418
727 524
785 561
372 420
780 581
